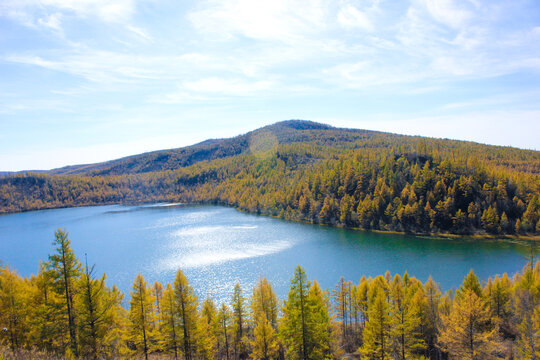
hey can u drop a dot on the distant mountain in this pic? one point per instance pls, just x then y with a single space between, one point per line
302 170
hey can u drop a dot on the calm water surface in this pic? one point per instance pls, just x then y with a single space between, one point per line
219 246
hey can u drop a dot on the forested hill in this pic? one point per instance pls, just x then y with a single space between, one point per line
312 172
285 132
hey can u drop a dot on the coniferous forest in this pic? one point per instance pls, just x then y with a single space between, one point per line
208 221
300 170
69 311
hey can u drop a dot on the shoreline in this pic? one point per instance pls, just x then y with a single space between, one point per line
183 203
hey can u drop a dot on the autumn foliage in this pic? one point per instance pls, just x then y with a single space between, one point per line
66 311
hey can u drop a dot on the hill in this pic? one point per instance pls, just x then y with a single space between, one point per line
313 172
286 132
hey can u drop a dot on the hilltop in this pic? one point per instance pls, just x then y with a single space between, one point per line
286 132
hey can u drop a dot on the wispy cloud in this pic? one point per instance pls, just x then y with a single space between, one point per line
281 58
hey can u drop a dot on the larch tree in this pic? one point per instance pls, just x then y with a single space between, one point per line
264 315
305 324
433 298
141 316
239 311
12 307
225 324
498 293
471 283
318 321
116 320
294 327
527 298
265 301
406 305
96 313
186 303
157 293
169 335
47 318
377 332
362 299
466 333
342 300
65 268
207 331
264 345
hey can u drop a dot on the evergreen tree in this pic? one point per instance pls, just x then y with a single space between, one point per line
170 323
376 336
47 318
471 283
141 316
294 325
225 319
157 293
65 269
265 345
498 295
264 301
465 331
342 300
527 298
405 309
305 325
318 321
96 313
264 315
12 307
208 330
186 303
433 299
239 320
490 220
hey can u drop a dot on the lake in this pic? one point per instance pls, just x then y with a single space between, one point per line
219 246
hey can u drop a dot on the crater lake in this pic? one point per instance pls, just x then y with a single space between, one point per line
217 247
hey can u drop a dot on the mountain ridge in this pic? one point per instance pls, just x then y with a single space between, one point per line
210 149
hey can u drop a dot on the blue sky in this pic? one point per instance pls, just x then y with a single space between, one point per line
90 80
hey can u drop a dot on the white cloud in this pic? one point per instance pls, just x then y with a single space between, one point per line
142 33
115 11
52 21
282 20
227 86
108 67
350 17
453 13
214 89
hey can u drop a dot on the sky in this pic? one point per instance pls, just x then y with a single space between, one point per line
84 81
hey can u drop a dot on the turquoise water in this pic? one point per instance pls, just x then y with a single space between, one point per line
218 246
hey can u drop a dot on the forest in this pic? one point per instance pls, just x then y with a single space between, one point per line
67 311
304 171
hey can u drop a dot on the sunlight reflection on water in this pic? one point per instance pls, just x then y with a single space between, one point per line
199 246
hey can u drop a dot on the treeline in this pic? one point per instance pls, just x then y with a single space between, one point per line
385 191
353 179
65 311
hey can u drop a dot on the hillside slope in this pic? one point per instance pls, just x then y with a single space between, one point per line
285 132
312 172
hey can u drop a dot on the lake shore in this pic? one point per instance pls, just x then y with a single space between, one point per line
263 213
